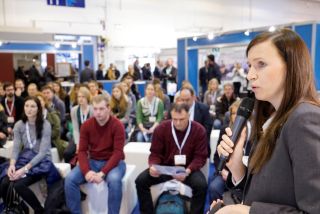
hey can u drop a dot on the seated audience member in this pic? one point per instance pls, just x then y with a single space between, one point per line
54 102
3 127
27 166
79 114
32 90
94 88
130 72
210 99
129 80
198 112
224 102
62 94
149 114
20 88
73 94
53 117
126 88
120 105
163 97
181 142
100 157
112 73
184 84
217 185
13 106
2 92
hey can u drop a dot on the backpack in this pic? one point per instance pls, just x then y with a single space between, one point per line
171 204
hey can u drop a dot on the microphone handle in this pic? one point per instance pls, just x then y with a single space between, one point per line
236 132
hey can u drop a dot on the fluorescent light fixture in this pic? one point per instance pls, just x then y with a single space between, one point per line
65 38
247 32
272 29
210 36
74 45
57 45
195 38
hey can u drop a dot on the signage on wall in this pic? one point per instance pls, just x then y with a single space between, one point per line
67 3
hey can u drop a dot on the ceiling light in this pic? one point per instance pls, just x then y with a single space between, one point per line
57 45
247 32
210 36
195 38
272 29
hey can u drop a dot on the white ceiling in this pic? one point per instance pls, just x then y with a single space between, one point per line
152 23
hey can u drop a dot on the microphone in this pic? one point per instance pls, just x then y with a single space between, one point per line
244 111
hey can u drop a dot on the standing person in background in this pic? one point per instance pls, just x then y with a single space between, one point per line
48 74
169 74
203 77
137 70
163 97
238 78
32 90
99 72
111 75
158 69
146 72
87 74
214 69
285 133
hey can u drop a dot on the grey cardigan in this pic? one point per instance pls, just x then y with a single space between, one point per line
75 122
42 146
290 181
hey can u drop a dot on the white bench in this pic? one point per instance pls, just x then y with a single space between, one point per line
214 137
97 195
6 151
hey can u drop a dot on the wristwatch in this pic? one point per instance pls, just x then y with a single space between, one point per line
26 170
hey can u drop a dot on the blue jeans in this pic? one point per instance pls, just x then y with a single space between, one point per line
216 188
113 178
141 138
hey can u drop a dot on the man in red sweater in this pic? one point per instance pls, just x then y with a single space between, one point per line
176 142
100 157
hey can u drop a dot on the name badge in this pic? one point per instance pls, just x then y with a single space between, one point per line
180 160
10 119
152 119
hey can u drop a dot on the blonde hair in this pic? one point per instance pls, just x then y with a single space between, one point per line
1 107
85 92
99 98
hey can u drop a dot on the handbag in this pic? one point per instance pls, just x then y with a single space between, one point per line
14 205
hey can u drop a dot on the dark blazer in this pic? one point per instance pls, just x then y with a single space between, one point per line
214 72
203 76
171 77
290 181
202 116
87 75
18 104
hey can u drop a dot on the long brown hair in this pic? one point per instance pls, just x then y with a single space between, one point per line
299 87
120 106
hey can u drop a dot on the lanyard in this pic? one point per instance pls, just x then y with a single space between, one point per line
7 107
184 139
152 106
83 117
32 144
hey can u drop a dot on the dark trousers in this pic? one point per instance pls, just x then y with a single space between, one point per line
21 187
69 152
195 180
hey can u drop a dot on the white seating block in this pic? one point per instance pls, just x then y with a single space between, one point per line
97 195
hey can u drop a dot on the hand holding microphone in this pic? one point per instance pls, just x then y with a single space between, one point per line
233 141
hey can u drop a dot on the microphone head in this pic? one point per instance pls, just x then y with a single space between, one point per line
246 107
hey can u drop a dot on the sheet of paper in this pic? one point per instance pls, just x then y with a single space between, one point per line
170 170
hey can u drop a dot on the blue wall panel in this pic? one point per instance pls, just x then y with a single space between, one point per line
181 61
193 68
87 55
317 57
305 31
